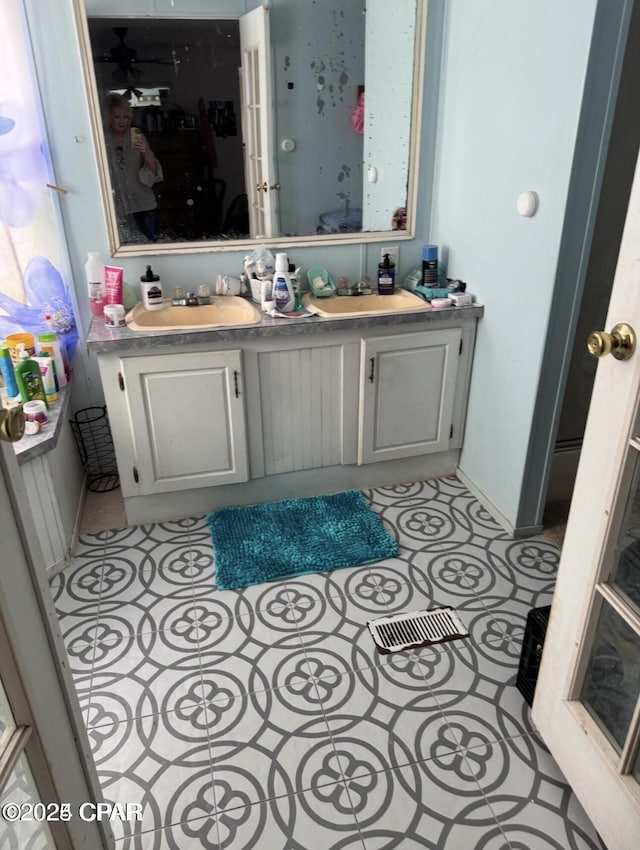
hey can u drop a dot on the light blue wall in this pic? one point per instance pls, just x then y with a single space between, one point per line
511 94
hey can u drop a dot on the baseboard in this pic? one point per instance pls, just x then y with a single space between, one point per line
160 507
52 570
75 534
514 531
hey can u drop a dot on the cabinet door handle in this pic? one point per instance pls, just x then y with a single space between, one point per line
235 382
373 367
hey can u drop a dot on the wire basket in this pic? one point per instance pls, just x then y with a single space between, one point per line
92 433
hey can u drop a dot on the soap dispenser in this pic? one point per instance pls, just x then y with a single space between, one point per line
386 276
283 293
151 290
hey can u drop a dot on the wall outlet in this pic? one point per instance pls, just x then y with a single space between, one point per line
393 255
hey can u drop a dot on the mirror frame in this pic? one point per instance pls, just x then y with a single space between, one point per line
313 240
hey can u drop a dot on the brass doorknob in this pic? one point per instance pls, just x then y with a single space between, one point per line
621 342
11 424
276 186
262 187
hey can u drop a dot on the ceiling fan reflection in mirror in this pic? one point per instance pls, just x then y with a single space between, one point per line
126 59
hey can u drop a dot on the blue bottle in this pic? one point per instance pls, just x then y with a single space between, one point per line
7 372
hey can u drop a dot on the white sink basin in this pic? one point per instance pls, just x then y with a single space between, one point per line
225 311
352 306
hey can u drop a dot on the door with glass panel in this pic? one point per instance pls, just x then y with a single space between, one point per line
257 98
24 818
46 770
587 701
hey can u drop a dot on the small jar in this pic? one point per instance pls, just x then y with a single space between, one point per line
35 416
114 316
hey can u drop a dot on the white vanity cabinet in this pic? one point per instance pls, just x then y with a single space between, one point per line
185 421
278 414
407 391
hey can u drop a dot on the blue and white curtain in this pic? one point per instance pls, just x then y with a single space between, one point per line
34 269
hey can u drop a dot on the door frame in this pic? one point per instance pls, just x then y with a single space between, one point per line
609 44
30 621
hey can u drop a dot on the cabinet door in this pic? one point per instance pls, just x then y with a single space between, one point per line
187 420
302 408
407 388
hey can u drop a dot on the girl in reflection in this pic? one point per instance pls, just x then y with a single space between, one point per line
134 169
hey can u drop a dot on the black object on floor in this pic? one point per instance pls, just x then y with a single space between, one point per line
532 644
92 434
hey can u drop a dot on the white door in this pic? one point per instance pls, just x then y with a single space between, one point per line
407 389
257 111
46 769
587 701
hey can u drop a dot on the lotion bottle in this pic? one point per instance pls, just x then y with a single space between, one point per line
94 270
283 294
50 342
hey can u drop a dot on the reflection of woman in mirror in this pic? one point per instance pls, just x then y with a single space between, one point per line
399 219
134 168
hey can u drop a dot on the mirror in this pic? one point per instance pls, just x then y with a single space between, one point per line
298 122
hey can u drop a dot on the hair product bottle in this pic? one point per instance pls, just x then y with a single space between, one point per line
430 266
28 378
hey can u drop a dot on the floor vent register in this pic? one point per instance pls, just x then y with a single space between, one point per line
419 628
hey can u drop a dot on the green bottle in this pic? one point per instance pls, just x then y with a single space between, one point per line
28 378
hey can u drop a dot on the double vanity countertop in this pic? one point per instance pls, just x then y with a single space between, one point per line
103 339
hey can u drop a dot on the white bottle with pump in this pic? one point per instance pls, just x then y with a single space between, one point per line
152 296
283 294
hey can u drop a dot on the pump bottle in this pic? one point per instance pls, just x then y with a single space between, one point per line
386 276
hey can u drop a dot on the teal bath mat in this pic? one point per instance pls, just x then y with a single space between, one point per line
292 537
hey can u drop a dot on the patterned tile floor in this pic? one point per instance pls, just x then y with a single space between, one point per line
265 718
